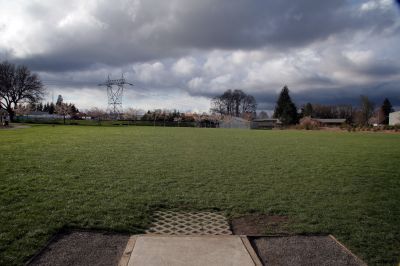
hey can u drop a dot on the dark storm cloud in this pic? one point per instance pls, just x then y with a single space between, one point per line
381 69
351 95
336 96
252 24
133 31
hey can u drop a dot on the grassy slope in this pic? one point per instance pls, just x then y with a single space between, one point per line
346 184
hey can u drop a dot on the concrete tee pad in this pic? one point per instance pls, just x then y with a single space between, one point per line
154 250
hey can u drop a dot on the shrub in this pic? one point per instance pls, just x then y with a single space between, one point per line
308 123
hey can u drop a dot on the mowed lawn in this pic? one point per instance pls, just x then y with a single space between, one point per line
113 178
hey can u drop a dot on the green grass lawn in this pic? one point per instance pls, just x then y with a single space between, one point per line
113 178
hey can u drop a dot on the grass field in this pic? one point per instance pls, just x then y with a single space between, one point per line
346 184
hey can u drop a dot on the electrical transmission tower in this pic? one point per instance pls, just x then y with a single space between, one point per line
115 95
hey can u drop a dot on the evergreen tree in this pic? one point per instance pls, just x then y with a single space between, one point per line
52 108
308 110
46 107
59 100
386 108
285 109
40 107
73 108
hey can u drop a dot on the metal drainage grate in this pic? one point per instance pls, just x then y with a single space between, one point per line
189 223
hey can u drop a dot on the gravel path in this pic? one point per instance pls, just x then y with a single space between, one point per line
303 250
82 249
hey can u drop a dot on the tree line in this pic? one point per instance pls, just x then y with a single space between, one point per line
157 116
60 107
365 114
239 104
22 91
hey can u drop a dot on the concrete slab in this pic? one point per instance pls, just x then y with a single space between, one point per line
149 250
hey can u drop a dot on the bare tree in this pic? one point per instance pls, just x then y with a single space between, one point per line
97 113
248 104
238 97
156 115
165 114
234 103
22 109
18 85
366 110
218 105
263 115
131 114
178 119
63 109
330 111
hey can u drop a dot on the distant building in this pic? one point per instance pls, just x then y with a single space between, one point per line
265 123
322 122
394 118
234 122
37 115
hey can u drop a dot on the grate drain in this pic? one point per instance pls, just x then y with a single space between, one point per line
189 223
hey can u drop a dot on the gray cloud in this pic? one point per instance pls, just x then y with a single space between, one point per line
134 31
328 51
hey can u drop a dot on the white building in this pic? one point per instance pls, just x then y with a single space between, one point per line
394 118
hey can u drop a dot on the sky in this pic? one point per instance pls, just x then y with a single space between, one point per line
181 53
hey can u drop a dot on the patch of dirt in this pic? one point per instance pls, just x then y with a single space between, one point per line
14 126
259 224
303 250
82 248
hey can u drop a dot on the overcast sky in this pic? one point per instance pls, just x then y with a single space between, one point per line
180 53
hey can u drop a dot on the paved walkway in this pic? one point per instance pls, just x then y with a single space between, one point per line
155 250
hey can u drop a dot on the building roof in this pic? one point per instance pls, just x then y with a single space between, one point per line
234 122
266 120
331 120
234 118
38 113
